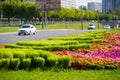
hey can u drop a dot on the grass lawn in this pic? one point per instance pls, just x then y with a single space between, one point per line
62 75
77 26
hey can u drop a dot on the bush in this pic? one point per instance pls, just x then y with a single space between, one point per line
26 63
85 46
13 46
52 61
64 61
44 54
39 61
32 54
14 63
5 63
98 41
0 63
5 53
19 54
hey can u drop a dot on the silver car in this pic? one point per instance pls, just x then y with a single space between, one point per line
91 26
27 29
107 27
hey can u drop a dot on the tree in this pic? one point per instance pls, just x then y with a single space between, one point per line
116 12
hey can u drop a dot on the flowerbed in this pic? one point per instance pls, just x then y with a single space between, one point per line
101 56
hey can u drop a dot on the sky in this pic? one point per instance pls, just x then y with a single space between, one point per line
84 2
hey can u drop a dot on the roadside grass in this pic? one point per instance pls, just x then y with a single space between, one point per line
4 29
116 30
60 75
77 26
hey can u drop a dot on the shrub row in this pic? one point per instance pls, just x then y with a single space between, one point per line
71 38
53 48
26 59
45 43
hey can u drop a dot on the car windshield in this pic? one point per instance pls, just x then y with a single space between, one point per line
25 27
107 26
91 25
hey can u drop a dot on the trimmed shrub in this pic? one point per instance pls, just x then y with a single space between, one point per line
52 61
26 63
32 54
85 46
19 54
39 61
5 62
14 63
6 53
1 55
0 63
13 46
44 54
64 61
98 41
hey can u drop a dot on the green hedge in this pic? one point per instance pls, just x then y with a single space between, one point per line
14 63
32 53
64 61
5 53
39 61
0 63
5 62
52 61
82 44
30 58
26 63
19 54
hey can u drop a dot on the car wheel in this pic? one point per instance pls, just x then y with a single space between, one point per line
18 33
34 33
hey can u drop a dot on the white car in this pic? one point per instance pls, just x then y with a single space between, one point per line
27 29
91 26
107 27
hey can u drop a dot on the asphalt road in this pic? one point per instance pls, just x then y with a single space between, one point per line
42 34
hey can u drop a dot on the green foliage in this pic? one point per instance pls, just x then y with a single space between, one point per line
16 8
26 63
44 54
39 61
0 63
52 61
19 54
61 75
13 46
32 54
5 62
5 53
14 63
64 61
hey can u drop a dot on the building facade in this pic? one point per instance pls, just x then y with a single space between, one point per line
95 6
109 5
65 3
68 3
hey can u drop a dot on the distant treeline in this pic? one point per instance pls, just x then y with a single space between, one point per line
21 9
